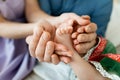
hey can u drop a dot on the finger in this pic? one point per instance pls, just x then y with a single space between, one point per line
49 51
47 27
86 17
74 35
40 50
28 39
75 42
55 59
81 29
34 40
91 28
65 59
86 37
84 47
64 53
60 47
80 20
31 49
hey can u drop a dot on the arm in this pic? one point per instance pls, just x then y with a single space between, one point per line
106 66
33 11
78 64
81 66
13 29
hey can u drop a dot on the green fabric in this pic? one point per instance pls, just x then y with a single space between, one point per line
108 64
110 48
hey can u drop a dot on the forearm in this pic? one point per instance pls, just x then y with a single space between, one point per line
80 67
15 30
33 11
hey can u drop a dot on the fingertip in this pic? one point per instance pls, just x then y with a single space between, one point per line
32 55
55 59
74 35
85 17
65 59
28 39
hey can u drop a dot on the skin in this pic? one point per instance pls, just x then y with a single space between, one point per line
79 65
42 47
35 44
10 29
85 27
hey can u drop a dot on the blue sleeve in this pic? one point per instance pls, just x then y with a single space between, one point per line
99 10
101 15
45 6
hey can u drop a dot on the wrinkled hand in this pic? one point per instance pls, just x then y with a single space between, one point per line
85 38
69 18
41 46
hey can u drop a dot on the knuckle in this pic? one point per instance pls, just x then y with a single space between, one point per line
79 48
47 35
38 28
81 37
50 46
50 43
94 26
82 48
93 36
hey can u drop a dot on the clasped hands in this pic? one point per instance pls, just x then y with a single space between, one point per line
43 46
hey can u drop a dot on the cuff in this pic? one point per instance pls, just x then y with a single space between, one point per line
103 72
89 53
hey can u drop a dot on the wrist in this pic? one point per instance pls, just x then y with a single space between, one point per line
55 21
28 28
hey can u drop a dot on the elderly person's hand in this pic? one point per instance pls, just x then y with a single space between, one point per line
85 38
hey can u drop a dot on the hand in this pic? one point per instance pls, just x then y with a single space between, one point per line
84 38
42 48
38 40
70 19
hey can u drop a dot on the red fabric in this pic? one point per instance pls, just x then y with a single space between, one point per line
97 53
115 57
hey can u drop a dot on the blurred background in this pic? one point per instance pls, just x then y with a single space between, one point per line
113 31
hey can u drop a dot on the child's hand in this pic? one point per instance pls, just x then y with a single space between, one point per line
63 53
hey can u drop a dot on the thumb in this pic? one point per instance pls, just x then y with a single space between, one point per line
28 39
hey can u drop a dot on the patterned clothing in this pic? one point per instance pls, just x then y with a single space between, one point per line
105 53
15 62
111 65
106 66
